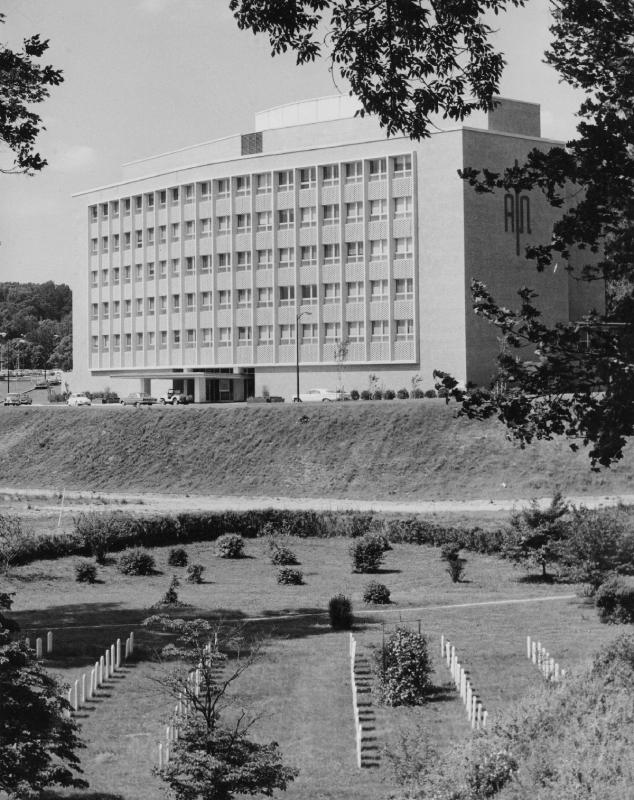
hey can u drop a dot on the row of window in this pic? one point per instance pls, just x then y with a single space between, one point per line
308 295
402 209
284 180
355 332
355 253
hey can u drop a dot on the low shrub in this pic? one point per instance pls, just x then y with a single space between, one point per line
340 612
195 573
377 593
614 600
231 545
430 393
170 598
377 394
137 562
365 395
450 552
389 394
366 553
177 557
292 577
402 394
404 667
416 394
282 556
354 394
85 572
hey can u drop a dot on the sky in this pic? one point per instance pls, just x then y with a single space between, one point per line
147 76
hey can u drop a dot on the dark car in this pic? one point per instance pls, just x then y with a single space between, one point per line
138 399
26 399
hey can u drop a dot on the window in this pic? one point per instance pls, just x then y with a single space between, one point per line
189 264
332 331
126 207
151 343
116 342
224 337
104 277
176 267
308 255
94 246
94 314
104 244
402 207
205 301
356 331
174 195
330 174
190 303
265 334
354 212
162 198
223 187
95 342
331 253
163 340
128 342
176 302
93 213
332 292
377 169
126 240
287 295
404 289
308 217
355 291
286 256
205 190
115 243
105 310
243 185
403 247
205 263
162 234
139 306
309 333
224 224
224 262
139 341
175 231
207 337
150 270
138 237
190 229
287 334
307 178
204 228
243 223
189 193
224 298
265 259
264 220
244 298
378 250
354 252
114 209
176 337
263 183
105 341
244 336
104 210
163 304
402 166
404 329
116 309
151 307
190 337
331 214
379 290
354 172
378 210
286 218
243 260
265 296
285 180
94 278
138 204
149 200
309 294
379 330
126 274
162 269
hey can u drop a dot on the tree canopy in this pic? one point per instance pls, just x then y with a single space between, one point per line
23 83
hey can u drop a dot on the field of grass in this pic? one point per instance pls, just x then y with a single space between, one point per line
302 682
407 450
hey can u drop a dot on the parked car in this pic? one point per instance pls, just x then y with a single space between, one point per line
319 396
26 399
138 399
78 399
13 399
174 397
41 384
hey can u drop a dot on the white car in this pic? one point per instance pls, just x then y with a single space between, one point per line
318 396
78 399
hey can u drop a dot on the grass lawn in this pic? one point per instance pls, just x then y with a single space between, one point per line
302 683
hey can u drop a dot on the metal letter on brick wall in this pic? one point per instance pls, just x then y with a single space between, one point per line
517 216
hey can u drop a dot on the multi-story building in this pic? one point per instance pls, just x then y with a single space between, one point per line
316 238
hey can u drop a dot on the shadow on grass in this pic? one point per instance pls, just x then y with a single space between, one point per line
441 694
81 795
539 579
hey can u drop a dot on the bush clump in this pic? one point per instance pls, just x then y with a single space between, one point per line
195 573
290 576
377 593
170 598
354 394
340 612
282 556
614 600
404 667
137 562
450 553
365 395
367 553
177 557
389 394
85 572
377 394
402 394
430 393
231 545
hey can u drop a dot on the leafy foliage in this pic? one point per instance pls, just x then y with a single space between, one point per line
367 553
404 666
231 545
177 557
377 593
137 562
290 576
614 600
404 59
195 573
340 612
13 539
85 572
536 533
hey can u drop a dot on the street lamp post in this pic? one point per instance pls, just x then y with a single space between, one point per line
6 358
297 319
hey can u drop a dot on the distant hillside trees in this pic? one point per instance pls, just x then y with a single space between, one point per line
37 323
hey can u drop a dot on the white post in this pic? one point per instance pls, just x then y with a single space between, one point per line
556 672
49 642
534 652
76 696
160 756
485 714
83 689
474 706
118 653
479 715
38 648
127 648
101 670
107 665
112 659
69 697
96 684
442 645
539 654
27 643
468 700
167 752
528 647
463 683
131 642
90 684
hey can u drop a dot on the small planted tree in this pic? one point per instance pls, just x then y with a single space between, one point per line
404 667
450 553
340 612
536 534
367 553
177 557
231 545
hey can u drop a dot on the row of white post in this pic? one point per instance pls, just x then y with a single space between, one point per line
85 688
181 711
476 713
542 659
355 704
39 645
